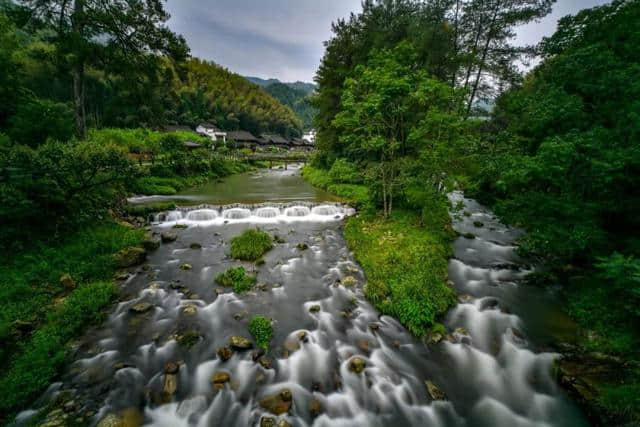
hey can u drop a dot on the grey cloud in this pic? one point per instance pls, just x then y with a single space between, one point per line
283 38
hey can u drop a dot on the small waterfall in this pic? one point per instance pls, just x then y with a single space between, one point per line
202 215
173 216
325 210
267 212
297 211
236 213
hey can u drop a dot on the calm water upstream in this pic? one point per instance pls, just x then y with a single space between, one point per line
333 361
264 185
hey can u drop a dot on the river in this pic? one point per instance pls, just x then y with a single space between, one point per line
333 361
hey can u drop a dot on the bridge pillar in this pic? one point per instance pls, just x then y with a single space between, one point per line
270 164
285 164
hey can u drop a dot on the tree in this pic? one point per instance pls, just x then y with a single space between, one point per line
483 30
91 30
392 114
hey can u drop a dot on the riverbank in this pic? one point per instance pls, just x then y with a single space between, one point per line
404 257
51 292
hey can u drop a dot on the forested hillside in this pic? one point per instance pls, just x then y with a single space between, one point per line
124 85
297 99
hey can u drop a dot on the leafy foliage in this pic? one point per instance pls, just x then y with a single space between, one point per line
236 278
251 245
262 331
297 99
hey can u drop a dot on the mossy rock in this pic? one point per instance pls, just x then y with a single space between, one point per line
251 245
130 257
236 278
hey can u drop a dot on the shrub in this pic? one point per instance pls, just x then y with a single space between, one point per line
345 172
236 278
37 120
251 245
262 331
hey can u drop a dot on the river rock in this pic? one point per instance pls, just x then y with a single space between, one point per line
240 343
168 237
185 267
219 379
225 353
67 282
141 307
279 403
265 362
150 243
357 364
129 257
314 308
349 281
267 422
315 407
195 246
434 391
190 309
180 226
111 420
171 368
169 386
302 246
374 326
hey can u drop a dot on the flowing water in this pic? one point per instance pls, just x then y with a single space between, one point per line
488 366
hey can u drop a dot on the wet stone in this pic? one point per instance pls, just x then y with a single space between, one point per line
268 422
314 308
265 362
240 343
315 407
140 308
225 353
171 368
349 281
374 326
434 391
357 365
364 345
190 309
168 237
186 267
220 378
279 403
195 246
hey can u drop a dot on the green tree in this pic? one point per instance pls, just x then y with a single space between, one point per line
112 30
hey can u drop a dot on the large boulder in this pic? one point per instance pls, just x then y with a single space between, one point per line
357 364
168 237
150 243
130 257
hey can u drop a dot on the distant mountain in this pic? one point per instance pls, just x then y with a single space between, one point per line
302 86
296 99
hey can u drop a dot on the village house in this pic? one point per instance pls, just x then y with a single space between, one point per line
212 131
310 137
274 140
243 139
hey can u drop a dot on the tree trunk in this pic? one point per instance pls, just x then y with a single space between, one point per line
484 58
77 23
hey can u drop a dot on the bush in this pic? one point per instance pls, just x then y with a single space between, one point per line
356 194
37 120
345 172
251 245
73 183
262 331
236 278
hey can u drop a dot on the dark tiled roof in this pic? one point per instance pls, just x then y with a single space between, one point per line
297 141
241 136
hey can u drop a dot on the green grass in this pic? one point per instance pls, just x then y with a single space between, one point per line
40 358
148 208
251 245
262 331
355 194
623 400
29 281
236 278
405 262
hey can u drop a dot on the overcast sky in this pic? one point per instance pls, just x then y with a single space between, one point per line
283 38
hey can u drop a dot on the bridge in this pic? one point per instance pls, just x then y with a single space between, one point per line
286 158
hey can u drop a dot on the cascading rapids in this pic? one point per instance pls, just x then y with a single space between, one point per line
267 212
297 211
236 213
202 215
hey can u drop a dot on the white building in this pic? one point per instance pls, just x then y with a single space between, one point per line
207 129
310 136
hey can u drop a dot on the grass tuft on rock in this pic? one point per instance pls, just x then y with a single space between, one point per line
236 278
262 331
251 245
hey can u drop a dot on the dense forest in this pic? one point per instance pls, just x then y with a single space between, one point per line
398 90
155 85
299 100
